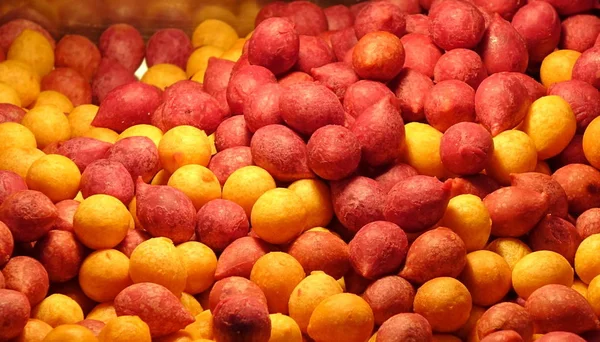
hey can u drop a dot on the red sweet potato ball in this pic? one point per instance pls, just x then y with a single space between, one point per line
7 246
123 43
11 113
466 148
171 46
417 23
421 53
357 201
539 24
363 94
281 152
79 53
224 163
456 24
242 315
232 132
29 215
66 212
70 83
579 32
233 286
342 41
460 64
220 222
61 255
411 87
338 17
244 82
380 16
274 45
83 151
333 152
309 19
499 38
185 103
314 52
448 103
262 107
583 98
307 106
165 211
424 195
379 248
10 183
380 132
139 155
109 178
587 67
270 10
128 105
335 76
109 75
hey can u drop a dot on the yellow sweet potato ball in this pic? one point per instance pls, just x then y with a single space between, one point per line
19 160
422 149
80 119
163 75
158 261
445 302
198 61
538 269
558 66
202 327
580 287
593 294
278 216
512 250
191 304
587 264
342 317
101 222
54 98
102 134
22 78
316 197
200 263
591 145
33 48
54 175
49 125
551 125
214 32
311 291
70 332
277 274
34 331
245 185
9 95
104 274
469 218
125 329
13 134
103 312
284 329
198 183
151 132
514 152
58 309
487 276
183 145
